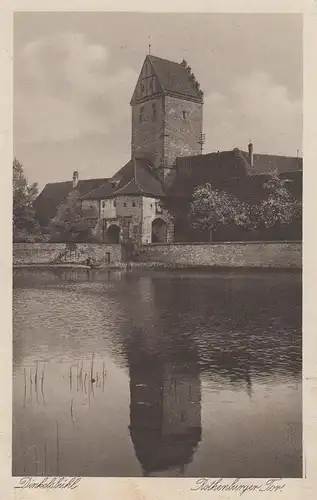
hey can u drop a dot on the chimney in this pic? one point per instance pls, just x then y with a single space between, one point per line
75 179
250 148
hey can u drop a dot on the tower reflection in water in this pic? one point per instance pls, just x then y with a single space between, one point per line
165 408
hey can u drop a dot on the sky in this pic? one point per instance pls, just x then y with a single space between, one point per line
75 72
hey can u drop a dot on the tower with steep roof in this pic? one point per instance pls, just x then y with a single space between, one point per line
167 113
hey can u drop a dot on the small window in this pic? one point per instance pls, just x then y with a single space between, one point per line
184 115
114 203
142 88
124 204
133 203
150 85
141 113
151 205
103 204
154 109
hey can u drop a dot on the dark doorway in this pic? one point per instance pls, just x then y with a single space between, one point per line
113 234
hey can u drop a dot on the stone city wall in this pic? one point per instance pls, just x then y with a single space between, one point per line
50 253
231 254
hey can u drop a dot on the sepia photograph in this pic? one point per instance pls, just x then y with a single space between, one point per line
157 245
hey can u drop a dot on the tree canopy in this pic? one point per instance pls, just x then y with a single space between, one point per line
25 225
279 208
68 221
211 209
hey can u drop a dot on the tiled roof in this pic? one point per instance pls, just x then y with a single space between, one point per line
175 78
266 164
102 192
192 171
54 193
138 177
229 167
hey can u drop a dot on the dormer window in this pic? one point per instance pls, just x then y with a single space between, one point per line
184 115
113 185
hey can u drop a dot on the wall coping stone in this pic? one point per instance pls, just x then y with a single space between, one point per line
60 243
214 243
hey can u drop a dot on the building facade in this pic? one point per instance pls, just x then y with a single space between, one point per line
166 165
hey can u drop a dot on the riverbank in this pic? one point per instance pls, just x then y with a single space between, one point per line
153 266
68 265
213 255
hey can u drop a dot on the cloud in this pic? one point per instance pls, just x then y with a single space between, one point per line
254 107
65 88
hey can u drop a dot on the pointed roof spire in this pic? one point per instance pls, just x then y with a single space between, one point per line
172 78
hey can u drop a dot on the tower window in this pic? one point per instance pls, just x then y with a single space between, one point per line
142 88
141 113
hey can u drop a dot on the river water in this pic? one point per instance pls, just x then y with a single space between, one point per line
157 373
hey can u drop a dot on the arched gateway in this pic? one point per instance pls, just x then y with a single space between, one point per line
159 231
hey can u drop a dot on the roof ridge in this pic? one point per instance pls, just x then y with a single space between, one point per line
92 190
125 185
163 59
149 58
152 171
136 179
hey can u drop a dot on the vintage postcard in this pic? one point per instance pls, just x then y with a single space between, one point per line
162 338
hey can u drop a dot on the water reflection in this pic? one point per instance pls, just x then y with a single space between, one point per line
165 408
135 374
